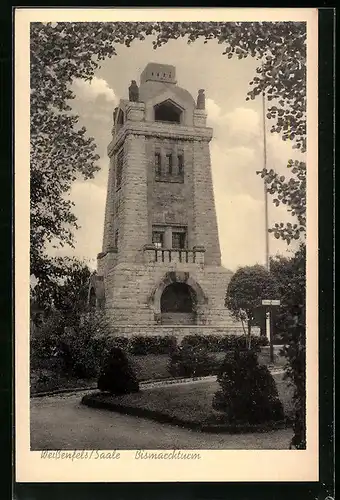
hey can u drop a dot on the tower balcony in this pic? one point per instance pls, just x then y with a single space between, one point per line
152 254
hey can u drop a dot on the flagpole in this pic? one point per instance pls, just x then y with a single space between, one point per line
266 223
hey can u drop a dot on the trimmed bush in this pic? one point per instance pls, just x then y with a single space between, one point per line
248 391
189 361
117 375
120 343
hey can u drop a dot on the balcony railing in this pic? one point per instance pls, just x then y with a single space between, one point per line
174 255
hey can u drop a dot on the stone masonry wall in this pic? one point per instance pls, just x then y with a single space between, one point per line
205 221
108 236
128 289
134 222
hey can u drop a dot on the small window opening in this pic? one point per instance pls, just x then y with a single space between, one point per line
180 164
116 238
120 118
158 166
158 239
169 163
178 240
119 168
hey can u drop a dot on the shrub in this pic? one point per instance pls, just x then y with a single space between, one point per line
248 391
82 348
44 341
189 361
69 346
117 376
158 344
120 343
45 382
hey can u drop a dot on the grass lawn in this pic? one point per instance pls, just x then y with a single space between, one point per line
188 402
155 366
149 367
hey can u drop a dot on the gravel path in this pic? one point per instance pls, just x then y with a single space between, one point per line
62 422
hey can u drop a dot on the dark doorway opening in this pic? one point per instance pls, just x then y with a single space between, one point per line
178 304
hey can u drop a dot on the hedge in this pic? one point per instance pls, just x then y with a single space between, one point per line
192 361
165 344
140 345
158 344
218 343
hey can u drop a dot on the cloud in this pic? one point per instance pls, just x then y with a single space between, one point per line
89 200
234 170
241 123
244 121
214 111
91 91
240 220
241 223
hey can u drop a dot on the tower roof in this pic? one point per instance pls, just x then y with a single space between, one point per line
157 78
156 72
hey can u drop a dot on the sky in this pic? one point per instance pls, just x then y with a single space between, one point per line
236 148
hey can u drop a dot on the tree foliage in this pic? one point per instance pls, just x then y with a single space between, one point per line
281 74
292 193
291 322
64 288
66 346
61 52
246 289
290 274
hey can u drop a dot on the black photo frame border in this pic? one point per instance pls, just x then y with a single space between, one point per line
320 490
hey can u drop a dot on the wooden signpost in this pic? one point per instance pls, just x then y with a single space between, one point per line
268 303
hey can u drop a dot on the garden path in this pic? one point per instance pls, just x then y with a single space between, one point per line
62 422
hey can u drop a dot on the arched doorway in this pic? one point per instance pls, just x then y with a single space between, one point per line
178 304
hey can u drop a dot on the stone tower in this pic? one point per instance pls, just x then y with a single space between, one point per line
160 266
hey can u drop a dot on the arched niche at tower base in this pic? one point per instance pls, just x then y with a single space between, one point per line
173 280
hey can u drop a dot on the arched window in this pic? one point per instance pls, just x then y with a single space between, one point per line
167 111
120 119
92 299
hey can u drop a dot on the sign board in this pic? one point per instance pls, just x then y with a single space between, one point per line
268 302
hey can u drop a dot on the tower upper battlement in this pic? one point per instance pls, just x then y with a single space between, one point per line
156 72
